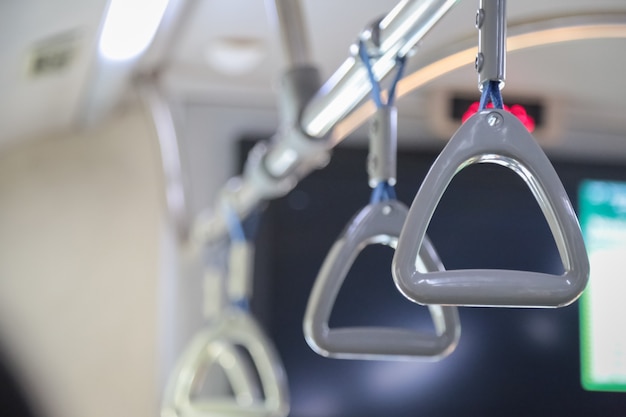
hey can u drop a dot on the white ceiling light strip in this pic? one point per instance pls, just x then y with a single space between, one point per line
129 27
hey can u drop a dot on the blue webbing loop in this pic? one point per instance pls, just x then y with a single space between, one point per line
365 58
376 93
383 192
235 228
242 304
491 91
400 61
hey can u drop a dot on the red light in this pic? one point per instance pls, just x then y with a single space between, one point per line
516 109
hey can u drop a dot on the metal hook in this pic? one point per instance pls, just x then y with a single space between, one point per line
235 328
376 223
498 137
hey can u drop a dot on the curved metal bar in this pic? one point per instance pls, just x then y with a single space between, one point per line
175 182
234 328
400 31
376 223
493 136
259 186
520 36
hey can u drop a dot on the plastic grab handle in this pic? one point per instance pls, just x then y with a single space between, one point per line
494 136
210 346
376 223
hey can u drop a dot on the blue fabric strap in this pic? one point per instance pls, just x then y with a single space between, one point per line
491 91
241 230
399 72
242 304
383 192
234 225
365 58
376 93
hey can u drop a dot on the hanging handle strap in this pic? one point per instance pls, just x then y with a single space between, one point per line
381 161
379 223
221 344
217 345
496 137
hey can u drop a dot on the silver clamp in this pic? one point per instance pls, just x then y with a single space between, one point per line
293 151
383 133
491 59
240 271
383 130
370 37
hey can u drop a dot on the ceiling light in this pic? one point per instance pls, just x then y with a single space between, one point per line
234 56
129 27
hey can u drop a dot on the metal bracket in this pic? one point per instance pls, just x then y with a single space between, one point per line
293 150
273 169
498 137
381 161
491 59
240 271
377 223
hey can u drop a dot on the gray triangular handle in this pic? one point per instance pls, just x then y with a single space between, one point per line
376 223
234 328
493 136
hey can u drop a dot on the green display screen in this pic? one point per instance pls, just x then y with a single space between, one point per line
602 306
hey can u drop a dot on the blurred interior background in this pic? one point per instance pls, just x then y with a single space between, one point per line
98 290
